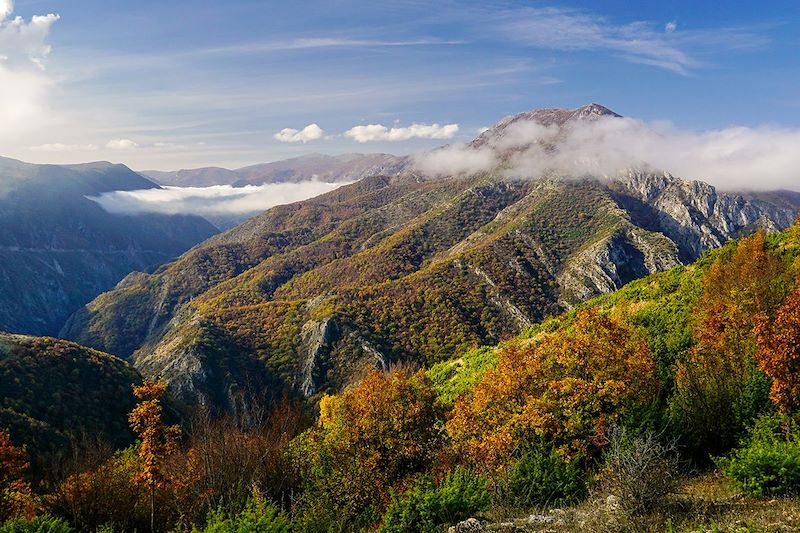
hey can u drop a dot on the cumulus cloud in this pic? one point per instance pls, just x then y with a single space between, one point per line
23 50
670 26
732 158
6 8
312 132
214 201
23 42
121 144
379 132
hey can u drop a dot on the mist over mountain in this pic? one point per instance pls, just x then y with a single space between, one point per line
594 141
412 266
58 249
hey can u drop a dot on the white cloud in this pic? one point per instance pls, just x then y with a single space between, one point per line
23 82
671 26
455 159
212 201
379 132
24 42
121 144
312 132
60 147
6 8
732 158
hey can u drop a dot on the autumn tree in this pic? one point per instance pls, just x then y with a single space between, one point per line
778 352
157 441
16 496
230 457
565 386
719 387
371 438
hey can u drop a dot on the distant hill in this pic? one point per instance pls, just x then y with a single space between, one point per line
52 391
406 267
58 249
332 169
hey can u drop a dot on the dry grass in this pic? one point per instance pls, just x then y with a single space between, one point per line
705 503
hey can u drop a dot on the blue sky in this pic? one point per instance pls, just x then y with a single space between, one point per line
177 84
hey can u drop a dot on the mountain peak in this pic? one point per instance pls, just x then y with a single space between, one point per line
549 116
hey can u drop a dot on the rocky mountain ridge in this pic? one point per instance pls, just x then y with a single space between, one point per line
399 268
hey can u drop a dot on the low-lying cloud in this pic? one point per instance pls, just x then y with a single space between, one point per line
379 132
214 201
731 158
312 132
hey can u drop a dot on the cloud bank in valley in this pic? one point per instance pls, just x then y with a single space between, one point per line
732 158
217 200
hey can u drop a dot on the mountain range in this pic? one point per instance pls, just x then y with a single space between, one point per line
407 267
59 249
332 169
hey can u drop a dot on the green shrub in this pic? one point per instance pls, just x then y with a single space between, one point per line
256 516
40 524
768 462
426 507
542 477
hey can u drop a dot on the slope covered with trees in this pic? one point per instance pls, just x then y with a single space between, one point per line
53 392
405 268
605 412
59 249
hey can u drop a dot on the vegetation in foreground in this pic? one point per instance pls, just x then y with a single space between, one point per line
670 405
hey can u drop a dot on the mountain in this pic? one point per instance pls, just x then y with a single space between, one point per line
59 249
52 391
405 268
332 169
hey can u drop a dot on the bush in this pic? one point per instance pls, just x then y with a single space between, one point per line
542 477
426 507
768 462
371 439
40 524
257 516
639 469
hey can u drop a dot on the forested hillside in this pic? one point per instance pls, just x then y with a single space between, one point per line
406 268
53 392
59 249
594 420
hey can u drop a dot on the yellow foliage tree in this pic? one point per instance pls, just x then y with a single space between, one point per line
16 496
566 386
157 441
370 439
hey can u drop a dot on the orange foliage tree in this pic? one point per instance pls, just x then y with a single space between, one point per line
371 438
718 385
157 441
566 387
16 497
778 352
